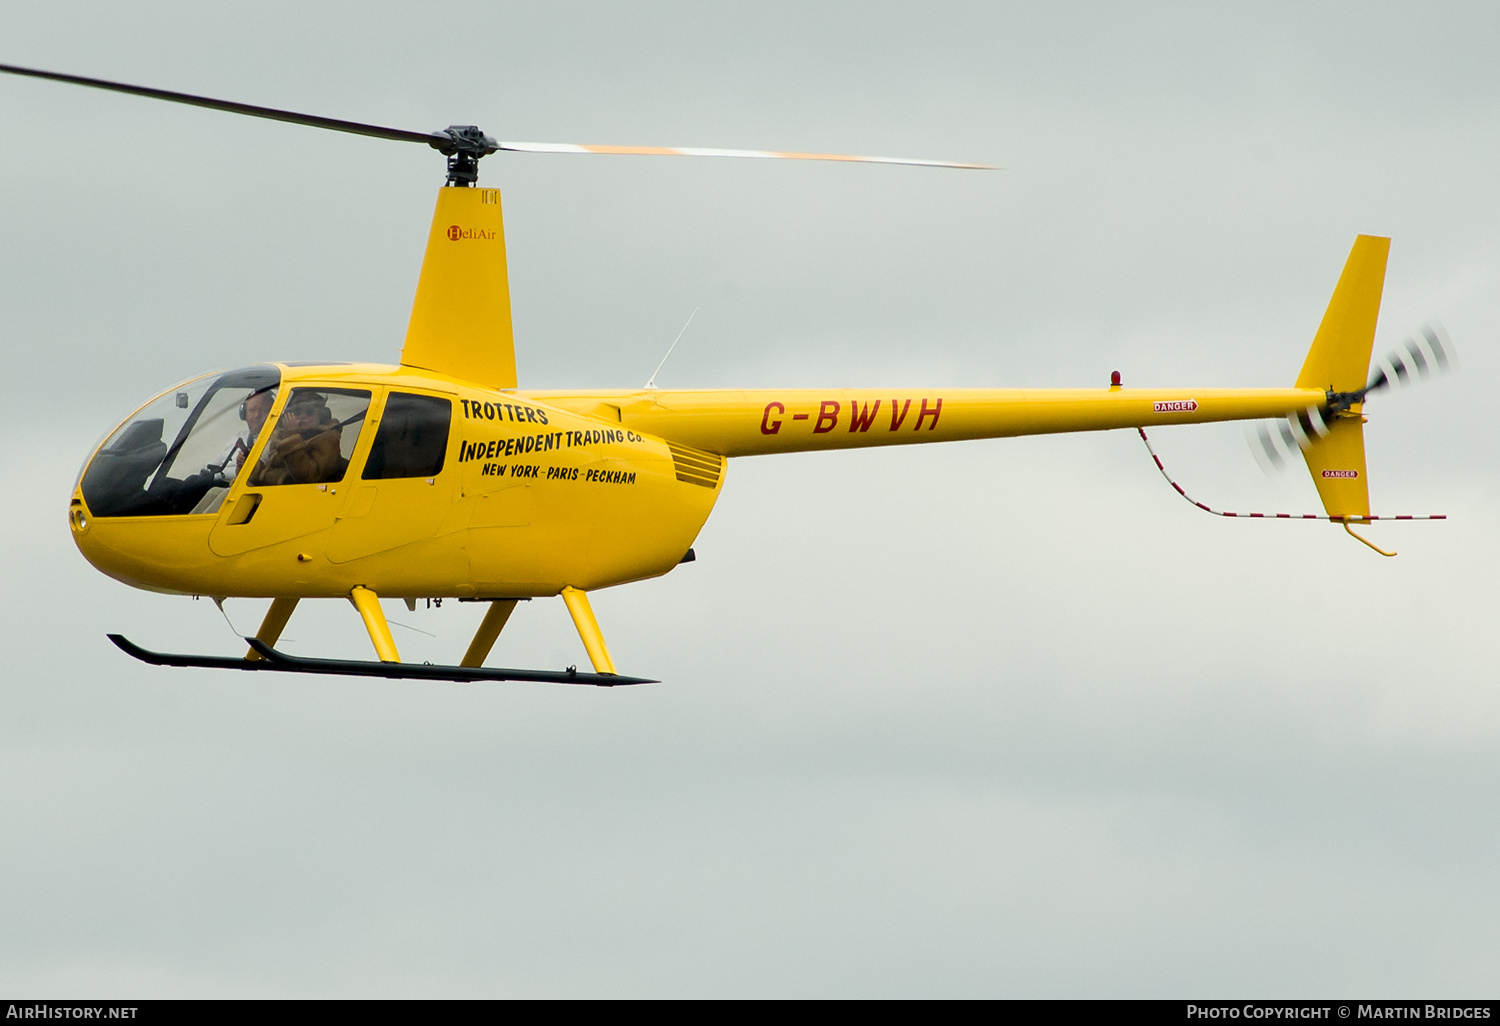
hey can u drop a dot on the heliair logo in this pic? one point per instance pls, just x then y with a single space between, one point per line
455 233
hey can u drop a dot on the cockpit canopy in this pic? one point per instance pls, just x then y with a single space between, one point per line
185 449
180 453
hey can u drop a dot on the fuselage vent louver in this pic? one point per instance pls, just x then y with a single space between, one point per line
695 467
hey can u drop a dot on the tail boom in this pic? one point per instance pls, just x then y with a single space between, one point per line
755 423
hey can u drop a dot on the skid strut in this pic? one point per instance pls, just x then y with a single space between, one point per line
489 630
588 629
274 623
368 604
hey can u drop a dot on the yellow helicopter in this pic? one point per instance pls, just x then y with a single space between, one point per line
441 478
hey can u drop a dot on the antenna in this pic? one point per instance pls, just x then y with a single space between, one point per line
652 382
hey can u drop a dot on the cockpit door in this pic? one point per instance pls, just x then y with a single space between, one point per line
292 486
407 485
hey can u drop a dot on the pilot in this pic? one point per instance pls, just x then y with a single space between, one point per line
304 447
257 408
254 411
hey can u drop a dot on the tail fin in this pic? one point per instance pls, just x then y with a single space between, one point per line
1338 362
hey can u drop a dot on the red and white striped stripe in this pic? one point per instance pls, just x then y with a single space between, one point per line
1274 516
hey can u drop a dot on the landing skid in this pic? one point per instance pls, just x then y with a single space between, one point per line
274 661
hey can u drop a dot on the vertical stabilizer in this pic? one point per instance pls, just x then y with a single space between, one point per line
1339 362
1337 463
460 321
1340 355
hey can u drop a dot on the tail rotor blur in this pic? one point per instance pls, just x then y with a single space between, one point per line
1274 442
1271 443
1425 354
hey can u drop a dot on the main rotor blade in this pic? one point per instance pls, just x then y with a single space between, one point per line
700 151
432 139
445 141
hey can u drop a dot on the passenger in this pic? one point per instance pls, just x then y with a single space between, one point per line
304 447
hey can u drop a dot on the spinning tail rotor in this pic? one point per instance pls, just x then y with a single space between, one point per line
1274 442
1425 354
1415 360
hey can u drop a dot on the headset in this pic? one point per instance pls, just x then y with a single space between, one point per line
252 395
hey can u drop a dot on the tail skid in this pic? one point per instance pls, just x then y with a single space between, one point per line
1365 541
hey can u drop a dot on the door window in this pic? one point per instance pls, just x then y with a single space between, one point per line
413 437
314 437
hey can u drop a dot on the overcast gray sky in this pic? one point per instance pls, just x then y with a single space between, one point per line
999 718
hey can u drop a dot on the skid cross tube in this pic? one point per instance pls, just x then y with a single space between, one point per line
273 661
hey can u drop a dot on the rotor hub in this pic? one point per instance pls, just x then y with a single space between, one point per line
463 145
